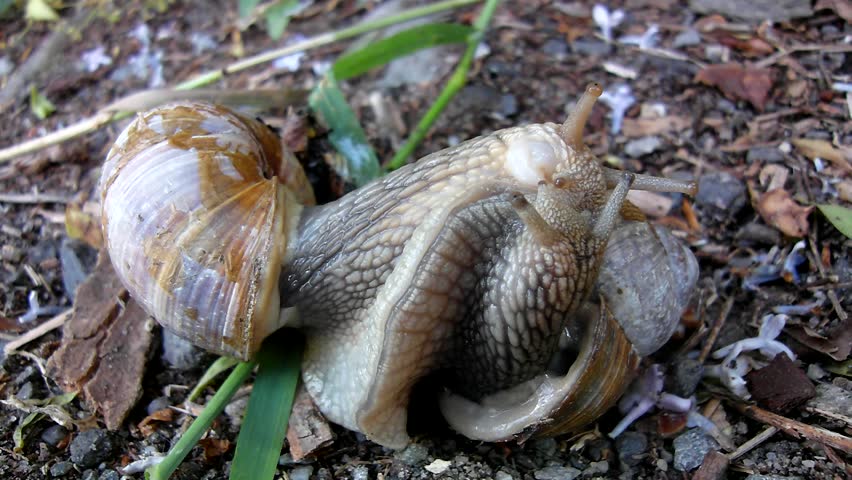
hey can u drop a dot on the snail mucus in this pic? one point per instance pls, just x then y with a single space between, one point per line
510 267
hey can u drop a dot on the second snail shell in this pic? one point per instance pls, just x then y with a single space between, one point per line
485 265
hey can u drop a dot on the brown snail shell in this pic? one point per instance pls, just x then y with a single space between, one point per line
470 262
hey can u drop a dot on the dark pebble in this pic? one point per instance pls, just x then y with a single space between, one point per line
508 105
631 447
25 392
592 48
758 233
109 475
557 473
764 154
685 377
89 475
54 434
781 385
690 449
60 469
721 193
555 47
158 404
90 448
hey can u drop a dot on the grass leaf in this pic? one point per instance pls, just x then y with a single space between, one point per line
181 449
39 10
265 423
246 7
840 217
221 364
403 43
330 107
40 105
278 16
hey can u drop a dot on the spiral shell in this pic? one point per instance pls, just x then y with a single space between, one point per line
197 203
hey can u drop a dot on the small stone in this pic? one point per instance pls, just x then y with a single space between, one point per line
755 10
690 449
815 372
109 475
438 466
60 469
591 48
555 47
808 463
501 475
687 38
832 398
508 105
643 146
631 447
360 472
54 434
758 233
545 446
662 465
556 473
90 448
755 476
301 473
764 154
25 392
158 404
596 468
179 353
413 454
721 192
781 385
89 475
685 377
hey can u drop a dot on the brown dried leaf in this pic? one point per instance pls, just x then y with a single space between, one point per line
104 346
148 425
640 127
214 447
749 47
813 148
838 345
843 8
82 225
782 212
739 82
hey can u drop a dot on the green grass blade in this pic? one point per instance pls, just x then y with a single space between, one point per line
278 16
220 365
265 423
331 109
399 45
181 449
454 84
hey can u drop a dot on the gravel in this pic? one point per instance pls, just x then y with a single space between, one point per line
690 448
60 469
556 473
631 447
90 448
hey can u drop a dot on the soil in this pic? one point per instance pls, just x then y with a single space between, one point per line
736 130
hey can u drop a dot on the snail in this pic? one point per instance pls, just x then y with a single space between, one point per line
509 266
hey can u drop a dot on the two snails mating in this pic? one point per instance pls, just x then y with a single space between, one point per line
509 267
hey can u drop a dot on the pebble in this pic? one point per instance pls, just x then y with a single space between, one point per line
687 38
764 154
596 468
179 353
438 466
643 146
591 48
414 454
60 469
25 392
631 447
158 404
557 473
91 447
555 47
54 434
690 449
755 10
109 475
721 191
770 477
360 472
501 475
508 105
685 377
89 475
758 233
301 473
545 446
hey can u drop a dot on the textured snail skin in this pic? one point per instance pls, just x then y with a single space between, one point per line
470 264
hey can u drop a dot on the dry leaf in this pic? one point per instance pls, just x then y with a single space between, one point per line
641 127
836 345
738 82
773 176
813 148
148 425
749 47
81 224
782 212
214 447
843 8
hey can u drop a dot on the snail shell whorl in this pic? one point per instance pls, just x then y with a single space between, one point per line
196 218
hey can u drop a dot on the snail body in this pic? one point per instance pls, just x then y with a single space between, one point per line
482 263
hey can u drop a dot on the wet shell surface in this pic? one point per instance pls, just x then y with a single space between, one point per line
199 186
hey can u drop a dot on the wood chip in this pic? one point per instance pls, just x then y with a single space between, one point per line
104 346
308 430
779 209
641 127
795 428
781 385
713 467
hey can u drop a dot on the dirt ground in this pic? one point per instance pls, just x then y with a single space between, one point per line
757 111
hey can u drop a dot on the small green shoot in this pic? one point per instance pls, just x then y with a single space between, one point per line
222 364
278 16
840 217
40 409
265 424
40 105
330 107
456 82
40 11
181 449
404 43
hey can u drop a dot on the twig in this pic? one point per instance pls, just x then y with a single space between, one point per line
830 293
835 416
770 60
796 429
454 84
32 198
753 442
37 332
105 116
717 327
